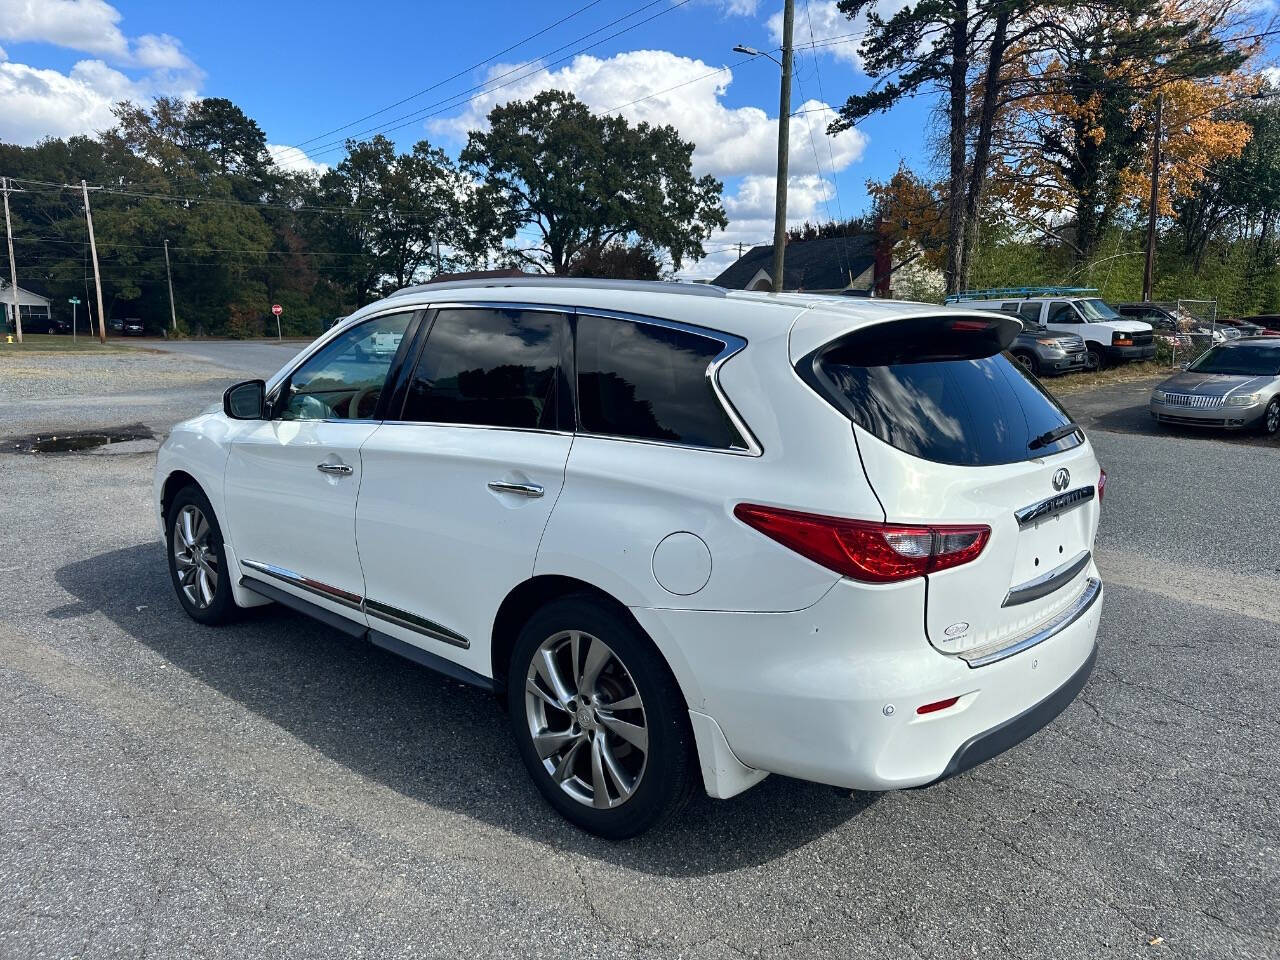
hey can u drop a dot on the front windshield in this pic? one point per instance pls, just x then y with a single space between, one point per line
1096 310
1241 360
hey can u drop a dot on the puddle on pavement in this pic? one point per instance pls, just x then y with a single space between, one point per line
82 441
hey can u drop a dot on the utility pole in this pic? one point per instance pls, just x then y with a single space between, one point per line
784 129
93 250
739 249
173 314
1149 276
13 268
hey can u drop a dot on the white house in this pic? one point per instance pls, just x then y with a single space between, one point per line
32 305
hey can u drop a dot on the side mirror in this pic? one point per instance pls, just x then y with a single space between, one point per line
245 401
1185 364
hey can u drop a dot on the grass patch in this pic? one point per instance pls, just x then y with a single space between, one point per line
54 343
1126 373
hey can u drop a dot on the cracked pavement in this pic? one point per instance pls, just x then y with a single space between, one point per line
277 789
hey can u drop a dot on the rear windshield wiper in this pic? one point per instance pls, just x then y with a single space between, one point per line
1049 436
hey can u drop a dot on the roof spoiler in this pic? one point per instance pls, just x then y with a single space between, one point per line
923 339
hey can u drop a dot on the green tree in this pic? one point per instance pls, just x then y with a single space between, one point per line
582 180
617 261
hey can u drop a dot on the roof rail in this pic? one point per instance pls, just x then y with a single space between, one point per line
573 283
1018 292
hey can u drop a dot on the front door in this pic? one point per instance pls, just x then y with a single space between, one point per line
291 481
458 488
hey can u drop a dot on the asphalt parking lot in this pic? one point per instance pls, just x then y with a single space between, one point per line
277 789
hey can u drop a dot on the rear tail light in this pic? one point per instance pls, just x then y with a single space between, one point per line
867 551
1102 484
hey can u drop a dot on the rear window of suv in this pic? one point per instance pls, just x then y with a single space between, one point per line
965 410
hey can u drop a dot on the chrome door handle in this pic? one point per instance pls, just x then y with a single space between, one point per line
523 489
337 469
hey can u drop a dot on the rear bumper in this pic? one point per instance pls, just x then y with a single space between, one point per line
830 693
983 746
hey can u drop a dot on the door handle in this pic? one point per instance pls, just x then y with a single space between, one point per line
336 469
523 489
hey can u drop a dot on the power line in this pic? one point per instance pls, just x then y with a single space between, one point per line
488 86
450 79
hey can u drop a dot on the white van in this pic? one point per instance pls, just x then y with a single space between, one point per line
1108 337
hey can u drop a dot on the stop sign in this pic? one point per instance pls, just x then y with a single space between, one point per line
277 309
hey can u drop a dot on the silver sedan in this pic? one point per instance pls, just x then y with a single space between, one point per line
1235 385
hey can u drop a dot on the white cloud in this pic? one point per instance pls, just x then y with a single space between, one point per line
89 25
41 102
3 56
1270 74
294 160
729 141
822 20
733 143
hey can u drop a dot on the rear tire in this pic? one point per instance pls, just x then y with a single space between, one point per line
1095 359
598 719
197 560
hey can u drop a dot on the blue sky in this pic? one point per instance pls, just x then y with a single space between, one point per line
302 70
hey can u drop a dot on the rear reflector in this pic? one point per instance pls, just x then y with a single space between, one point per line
1102 484
938 705
864 550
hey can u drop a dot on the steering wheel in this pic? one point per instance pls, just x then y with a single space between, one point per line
358 399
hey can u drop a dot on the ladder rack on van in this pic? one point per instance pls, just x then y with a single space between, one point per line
1018 293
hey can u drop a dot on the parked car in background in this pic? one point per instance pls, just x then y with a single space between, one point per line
1042 351
1235 385
40 325
1270 323
1108 337
1244 328
687 536
132 327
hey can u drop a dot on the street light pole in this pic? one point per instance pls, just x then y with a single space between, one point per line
784 130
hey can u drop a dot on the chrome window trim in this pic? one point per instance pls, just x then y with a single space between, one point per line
1052 506
411 621
993 653
1047 583
317 587
320 342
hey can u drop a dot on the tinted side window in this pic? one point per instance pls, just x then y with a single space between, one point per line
494 368
649 382
344 380
1030 312
1062 313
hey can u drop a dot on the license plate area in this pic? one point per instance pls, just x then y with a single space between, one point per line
1047 544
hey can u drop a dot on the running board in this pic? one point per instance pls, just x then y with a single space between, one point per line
391 644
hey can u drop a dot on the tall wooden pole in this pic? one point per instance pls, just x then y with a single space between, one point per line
784 148
173 313
1149 275
13 268
97 277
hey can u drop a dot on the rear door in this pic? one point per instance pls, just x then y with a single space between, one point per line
955 440
459 484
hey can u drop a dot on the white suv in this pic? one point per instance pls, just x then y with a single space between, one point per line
685 535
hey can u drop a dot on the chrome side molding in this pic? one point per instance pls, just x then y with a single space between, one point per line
1051 506
373 608
995 652
411 621
1045 584
318 587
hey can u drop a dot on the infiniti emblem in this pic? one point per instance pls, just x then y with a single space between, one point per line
1061 479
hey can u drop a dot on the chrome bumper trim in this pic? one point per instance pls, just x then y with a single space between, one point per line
1045 584
319 588
993 653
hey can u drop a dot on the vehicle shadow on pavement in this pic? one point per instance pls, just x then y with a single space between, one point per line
432 739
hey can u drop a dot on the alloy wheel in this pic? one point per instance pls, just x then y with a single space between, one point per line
1273 416
587 719
195 559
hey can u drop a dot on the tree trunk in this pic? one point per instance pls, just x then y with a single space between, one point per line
957 115
982 144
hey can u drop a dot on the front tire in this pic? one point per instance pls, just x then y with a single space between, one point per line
197 560
598 718
1095 359
1029 362
1270 423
